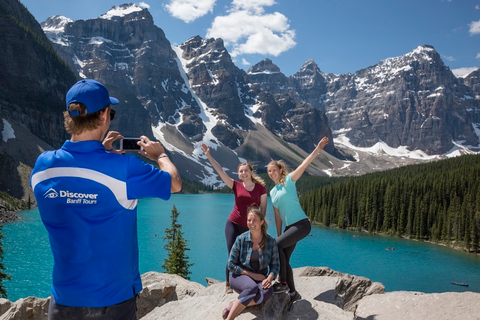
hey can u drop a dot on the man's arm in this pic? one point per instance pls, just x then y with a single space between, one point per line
166 164
155 151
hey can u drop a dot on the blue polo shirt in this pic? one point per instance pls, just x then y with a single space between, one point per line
87 200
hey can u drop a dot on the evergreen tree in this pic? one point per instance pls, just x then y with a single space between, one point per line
3 275
177 259
438 201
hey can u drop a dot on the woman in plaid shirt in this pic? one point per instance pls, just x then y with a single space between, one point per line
253 265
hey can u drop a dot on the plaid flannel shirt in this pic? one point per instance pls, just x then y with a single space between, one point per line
241 253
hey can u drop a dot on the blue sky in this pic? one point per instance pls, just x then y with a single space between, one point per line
341 36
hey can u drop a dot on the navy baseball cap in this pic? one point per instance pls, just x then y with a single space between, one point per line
92 94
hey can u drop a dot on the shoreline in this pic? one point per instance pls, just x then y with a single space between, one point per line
451 246
8 216
11 216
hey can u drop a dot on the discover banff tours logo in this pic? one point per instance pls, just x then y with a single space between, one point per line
72 197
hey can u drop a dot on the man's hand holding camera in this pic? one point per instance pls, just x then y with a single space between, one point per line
153 150
111 137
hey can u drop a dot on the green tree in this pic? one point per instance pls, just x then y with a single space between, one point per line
3 275
177 259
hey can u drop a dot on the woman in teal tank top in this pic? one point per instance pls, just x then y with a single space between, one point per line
288 212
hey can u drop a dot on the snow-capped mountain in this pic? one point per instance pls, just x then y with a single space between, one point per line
194 92
400 111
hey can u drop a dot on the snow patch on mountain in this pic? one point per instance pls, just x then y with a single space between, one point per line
209 120
54 28
463 72
7 132
381 148
123 10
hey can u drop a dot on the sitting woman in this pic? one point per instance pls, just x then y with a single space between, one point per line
253 265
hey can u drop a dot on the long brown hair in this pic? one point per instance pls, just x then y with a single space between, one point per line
281 166
254 209
255 177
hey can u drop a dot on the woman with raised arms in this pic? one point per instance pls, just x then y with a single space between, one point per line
289 213
249 191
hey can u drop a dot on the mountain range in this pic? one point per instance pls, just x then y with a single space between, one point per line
401 111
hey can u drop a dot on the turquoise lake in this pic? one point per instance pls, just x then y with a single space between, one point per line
412 266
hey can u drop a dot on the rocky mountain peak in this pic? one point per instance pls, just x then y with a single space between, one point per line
265 66
122 11
310 84
55 24
309 66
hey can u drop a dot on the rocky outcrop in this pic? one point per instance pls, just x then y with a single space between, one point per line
326 294
403 305
30 308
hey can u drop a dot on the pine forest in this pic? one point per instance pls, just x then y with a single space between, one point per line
437 201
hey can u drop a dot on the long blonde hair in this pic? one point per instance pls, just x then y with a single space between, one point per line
255 177
254 209
281 165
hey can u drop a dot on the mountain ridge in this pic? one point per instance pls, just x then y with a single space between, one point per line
403 110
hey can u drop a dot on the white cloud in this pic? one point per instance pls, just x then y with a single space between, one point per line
249 30
463 72
144 5
448 58
475 27
252 5
189 10
478 55
245 62
477 7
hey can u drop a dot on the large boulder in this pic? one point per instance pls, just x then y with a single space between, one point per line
160 288
30 308
409 305
326 294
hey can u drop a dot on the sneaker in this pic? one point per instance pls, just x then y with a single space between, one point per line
226 311
280 287
295 297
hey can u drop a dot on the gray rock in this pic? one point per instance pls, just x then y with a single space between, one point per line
326 294
160 288
406 305
30 308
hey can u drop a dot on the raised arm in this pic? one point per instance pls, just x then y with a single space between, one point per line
297 173
223 175
155 151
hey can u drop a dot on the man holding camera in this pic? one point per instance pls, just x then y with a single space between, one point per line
87 198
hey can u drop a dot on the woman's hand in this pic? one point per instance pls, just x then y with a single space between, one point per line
205 149
109 139
322 144
267 283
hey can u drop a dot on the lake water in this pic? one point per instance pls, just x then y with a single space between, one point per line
412 266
